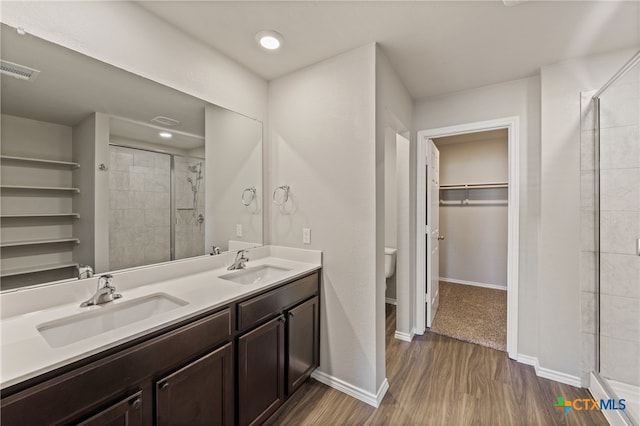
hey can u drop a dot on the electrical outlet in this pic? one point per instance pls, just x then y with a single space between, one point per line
239 230
306 235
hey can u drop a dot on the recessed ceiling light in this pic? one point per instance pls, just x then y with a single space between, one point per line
165 135
269 39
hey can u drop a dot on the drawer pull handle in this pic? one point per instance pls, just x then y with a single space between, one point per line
163 385
136 403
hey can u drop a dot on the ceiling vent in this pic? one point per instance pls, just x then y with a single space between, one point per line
18 71
165 121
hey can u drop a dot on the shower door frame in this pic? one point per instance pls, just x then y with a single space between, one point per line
172 190
599 384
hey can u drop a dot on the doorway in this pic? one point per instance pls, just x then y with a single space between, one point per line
423 233
470 205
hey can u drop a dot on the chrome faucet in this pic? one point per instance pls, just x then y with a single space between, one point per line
240 261
106 292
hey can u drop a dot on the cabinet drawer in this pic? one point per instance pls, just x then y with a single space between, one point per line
105 379
260 308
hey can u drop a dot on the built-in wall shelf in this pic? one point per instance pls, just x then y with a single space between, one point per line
38 268
39 215
41 161
38 242
39 188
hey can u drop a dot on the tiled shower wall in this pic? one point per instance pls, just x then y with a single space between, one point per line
140 202
620 226
189 212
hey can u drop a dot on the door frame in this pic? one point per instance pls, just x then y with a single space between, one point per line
512 124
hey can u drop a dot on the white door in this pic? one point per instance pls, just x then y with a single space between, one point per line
432 297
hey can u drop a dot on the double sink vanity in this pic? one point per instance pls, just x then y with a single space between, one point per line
189 342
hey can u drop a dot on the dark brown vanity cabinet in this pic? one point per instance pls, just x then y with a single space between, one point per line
127 412
117 387
303 337
234 365
200 393
261 372
280 351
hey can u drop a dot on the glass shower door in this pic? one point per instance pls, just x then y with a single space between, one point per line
619 233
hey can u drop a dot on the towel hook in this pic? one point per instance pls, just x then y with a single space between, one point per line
248 195
281 195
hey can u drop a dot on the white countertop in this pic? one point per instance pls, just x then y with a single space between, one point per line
25 353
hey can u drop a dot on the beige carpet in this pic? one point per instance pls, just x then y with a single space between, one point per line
473 314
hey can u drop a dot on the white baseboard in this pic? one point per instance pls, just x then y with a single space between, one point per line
406 337
473 283
547 373
614 417
351 390
390 301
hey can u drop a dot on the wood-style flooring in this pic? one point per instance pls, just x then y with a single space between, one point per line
437 380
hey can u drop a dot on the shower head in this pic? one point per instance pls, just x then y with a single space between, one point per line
189 180
195 168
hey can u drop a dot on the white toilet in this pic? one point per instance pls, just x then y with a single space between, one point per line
389 262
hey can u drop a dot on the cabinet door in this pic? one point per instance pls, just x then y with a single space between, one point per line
303 337
260 372
201 393
127 412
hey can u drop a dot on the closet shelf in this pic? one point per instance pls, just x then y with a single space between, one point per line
39 188
39 215
38 242
38 268
40 161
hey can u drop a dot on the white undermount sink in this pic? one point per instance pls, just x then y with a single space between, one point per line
256 274
105 318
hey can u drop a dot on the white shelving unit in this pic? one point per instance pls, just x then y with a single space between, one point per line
39 188
40 215
38 242
38 268
40 161
36 204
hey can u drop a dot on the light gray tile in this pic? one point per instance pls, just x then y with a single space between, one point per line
587 156
121 161
620 275
119 199
588 308
587 233
619 105
619 360
587 190
619 147
116 218
620 189
143 159
586 111
620 317
588 352
618 232
134 217
588 271
134 255
161 200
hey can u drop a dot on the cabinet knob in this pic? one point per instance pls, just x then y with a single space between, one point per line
291 314
135 403
163 385
280 318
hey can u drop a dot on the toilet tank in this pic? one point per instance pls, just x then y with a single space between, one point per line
389 261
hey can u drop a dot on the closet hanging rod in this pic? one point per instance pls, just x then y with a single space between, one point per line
476 185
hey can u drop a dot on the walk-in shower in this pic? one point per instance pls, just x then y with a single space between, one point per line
156 207
615 305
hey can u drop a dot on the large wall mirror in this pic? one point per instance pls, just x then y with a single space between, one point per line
104 168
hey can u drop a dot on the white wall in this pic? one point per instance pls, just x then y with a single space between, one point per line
560 233
323 146
514 98
475 245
